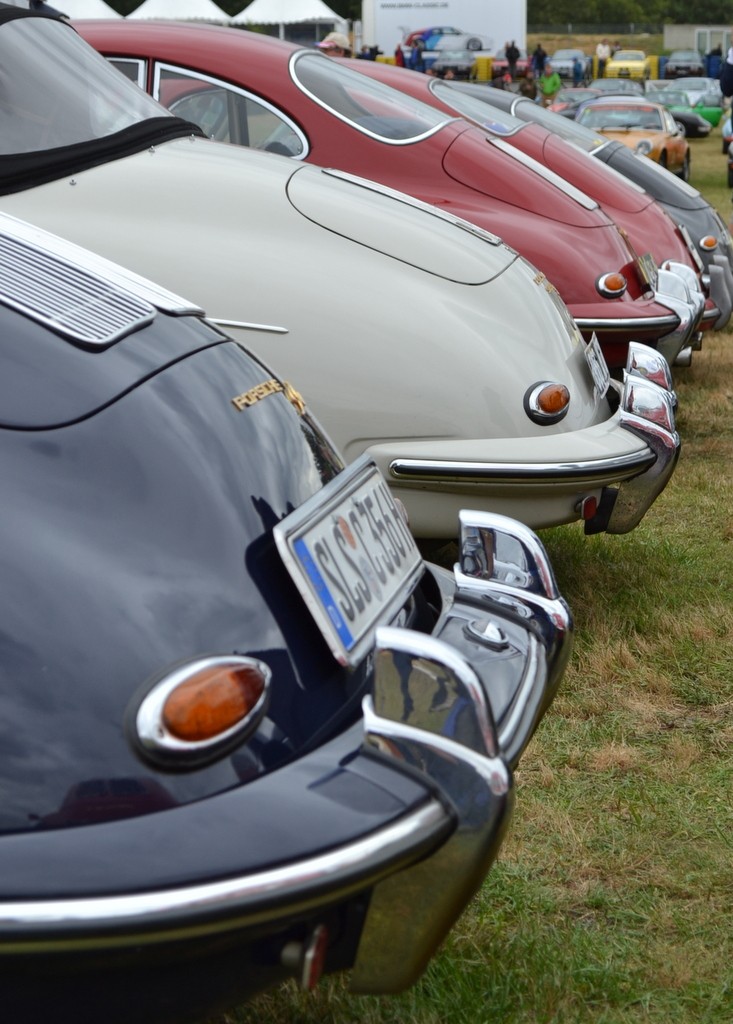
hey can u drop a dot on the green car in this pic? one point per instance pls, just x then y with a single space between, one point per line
678 101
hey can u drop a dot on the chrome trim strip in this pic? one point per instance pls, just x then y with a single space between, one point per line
529 472
527 571
80 306
228 87
674 292
310 55
153 733
146 917
503 562
571 191
244 325
625 323
491 769
635 496
418 204
460 687
721 288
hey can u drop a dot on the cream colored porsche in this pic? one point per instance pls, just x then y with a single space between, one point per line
412 335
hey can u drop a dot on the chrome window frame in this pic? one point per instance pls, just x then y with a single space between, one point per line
199 76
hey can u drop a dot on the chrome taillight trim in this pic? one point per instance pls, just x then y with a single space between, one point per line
603 288
532 406
154 740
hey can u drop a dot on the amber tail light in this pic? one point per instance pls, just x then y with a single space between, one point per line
199 710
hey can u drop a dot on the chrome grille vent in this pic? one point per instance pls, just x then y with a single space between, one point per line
71 300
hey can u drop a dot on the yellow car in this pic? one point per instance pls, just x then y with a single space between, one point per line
628 64
649 129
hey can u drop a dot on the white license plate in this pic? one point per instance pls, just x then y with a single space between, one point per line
648 270
692 247
352 557
598 366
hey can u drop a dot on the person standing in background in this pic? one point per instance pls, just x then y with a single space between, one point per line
603 52
335 44
539 57
417 60
578 72
512 56
550 84
726 71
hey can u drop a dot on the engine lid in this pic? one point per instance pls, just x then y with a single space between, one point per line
404 231
497 169
67 309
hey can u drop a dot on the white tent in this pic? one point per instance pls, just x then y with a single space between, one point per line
87 9
180 10
287 12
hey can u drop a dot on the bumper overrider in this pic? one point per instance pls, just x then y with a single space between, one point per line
677 288
718 280
628 482
648 407
419 790
714 250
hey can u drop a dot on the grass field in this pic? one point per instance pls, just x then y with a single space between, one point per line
611 900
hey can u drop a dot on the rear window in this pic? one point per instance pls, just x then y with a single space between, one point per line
370 106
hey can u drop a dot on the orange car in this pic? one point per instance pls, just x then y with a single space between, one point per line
647 128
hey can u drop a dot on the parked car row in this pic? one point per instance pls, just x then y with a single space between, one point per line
572 64
266 320
394 130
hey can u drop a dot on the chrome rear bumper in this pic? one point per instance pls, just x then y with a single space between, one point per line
428 720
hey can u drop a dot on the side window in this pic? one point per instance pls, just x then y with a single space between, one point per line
227 113
132 69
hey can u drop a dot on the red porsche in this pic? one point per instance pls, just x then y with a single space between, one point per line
254 90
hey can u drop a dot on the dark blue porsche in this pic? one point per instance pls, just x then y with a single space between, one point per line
245 727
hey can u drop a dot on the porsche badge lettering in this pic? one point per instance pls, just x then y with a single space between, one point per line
540 279
294 397
269 387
